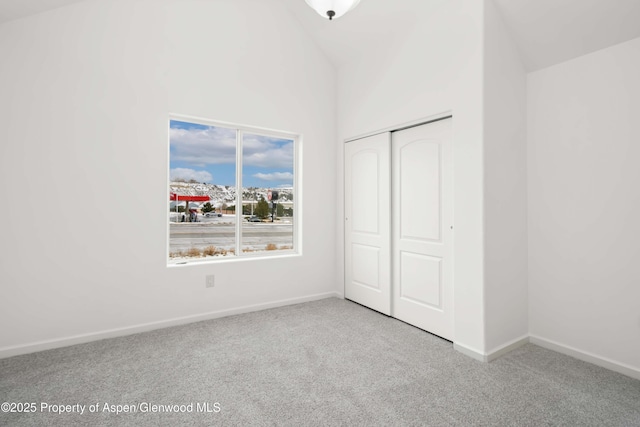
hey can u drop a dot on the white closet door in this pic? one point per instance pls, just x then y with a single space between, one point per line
367 222
422 212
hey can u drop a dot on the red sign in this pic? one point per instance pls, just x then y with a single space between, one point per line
269 195
174 196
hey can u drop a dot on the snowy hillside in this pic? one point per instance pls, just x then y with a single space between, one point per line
220 194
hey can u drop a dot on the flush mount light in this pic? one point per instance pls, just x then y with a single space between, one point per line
332 8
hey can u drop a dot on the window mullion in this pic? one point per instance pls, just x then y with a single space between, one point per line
239 135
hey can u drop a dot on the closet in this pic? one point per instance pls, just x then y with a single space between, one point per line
398 224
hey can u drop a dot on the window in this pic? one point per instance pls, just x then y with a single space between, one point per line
231 191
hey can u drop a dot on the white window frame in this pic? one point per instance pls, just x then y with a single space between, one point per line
297 177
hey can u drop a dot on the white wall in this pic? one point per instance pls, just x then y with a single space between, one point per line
505 187
434 67
86 92
584 205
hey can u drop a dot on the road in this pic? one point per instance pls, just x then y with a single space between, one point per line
220 233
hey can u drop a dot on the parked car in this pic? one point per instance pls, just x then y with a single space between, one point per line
214 214
254 219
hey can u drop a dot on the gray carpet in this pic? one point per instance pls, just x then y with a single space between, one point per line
329 362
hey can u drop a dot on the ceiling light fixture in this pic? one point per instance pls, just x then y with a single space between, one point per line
332 8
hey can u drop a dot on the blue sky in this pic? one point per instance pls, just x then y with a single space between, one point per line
208 154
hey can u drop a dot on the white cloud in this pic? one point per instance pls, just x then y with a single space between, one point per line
215 145
275 176
189 174
200 147
266 152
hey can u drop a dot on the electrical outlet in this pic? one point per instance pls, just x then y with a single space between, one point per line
211 282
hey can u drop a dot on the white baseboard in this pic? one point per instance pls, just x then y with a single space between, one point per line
471 352
612 365
506 348
493 354
120 332
586 356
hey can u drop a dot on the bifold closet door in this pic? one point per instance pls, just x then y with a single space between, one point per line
422 212
367 222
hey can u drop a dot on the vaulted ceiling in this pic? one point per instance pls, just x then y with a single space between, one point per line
546 31
15 9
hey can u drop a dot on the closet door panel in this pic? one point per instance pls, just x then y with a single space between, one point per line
367 222
422 211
